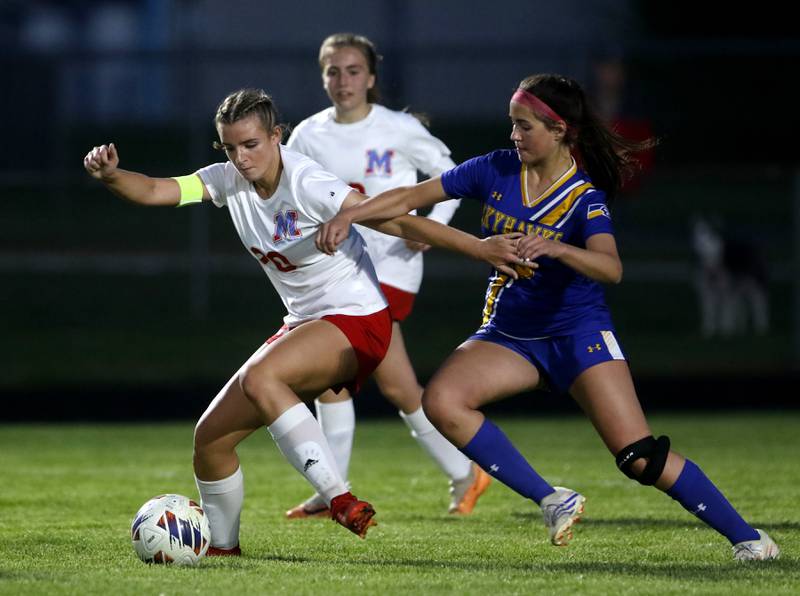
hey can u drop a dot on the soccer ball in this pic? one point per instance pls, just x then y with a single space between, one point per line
170 529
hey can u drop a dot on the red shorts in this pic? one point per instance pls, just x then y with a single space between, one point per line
400 302
368 334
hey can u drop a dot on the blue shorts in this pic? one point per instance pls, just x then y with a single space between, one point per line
560 359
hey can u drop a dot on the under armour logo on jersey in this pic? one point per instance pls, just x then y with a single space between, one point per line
379 165
309 463
494 468
597 210
497 195
332 193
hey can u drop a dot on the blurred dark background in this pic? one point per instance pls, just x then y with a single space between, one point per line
118 312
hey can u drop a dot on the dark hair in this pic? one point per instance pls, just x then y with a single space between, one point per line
248 102
607 157
362 44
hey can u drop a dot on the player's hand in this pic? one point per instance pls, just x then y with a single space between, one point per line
332 233
530 248
501 253
101 162
417 246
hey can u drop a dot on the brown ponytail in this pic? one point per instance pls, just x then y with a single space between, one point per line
607 157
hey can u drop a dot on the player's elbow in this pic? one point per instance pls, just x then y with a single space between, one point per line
616 276
611 274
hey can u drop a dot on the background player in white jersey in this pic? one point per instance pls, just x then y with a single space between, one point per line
375 149
337 328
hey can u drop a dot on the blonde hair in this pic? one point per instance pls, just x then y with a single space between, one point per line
248 102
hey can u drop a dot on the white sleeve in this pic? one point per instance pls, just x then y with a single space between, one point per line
427 153
432 157
322 192
214 179
443 212
297 140
293 142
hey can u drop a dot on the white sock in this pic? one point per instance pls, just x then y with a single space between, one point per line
300 439
222 502
452 462
338 422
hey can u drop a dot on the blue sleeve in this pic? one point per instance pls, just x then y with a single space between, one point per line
466 180
594 215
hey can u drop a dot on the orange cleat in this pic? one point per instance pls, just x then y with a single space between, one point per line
213 551
466 492
353 514
312 507
303 512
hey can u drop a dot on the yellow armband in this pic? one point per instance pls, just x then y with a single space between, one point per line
191 189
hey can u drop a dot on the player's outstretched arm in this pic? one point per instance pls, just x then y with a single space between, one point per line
499 251
102 163
383 206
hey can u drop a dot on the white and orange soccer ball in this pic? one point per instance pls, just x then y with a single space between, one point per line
170 529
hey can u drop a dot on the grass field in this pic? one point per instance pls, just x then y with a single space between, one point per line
69 492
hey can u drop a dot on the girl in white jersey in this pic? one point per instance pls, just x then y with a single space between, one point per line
375 149
337 328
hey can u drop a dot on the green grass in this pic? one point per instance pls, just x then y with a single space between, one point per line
69 493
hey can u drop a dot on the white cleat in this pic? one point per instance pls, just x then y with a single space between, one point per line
756 550
562 510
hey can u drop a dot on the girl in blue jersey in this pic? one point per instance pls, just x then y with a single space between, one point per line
548 324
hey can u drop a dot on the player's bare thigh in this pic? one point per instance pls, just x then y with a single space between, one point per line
477 373
298 366
395 375
227 421
231 416
606 394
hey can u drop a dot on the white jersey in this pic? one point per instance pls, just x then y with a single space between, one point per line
279 232
383 151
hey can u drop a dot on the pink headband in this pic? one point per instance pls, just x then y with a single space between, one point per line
527 98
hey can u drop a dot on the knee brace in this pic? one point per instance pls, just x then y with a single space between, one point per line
654 450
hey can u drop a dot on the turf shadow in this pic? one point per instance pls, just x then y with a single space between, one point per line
664 523
708 572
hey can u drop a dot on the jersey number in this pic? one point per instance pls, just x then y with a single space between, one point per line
281 263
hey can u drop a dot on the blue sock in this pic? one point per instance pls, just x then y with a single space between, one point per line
698 495
493 452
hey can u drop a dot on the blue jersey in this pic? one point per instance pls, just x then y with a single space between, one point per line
553 299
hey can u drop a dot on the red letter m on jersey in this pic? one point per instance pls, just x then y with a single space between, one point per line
379 165
285 226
